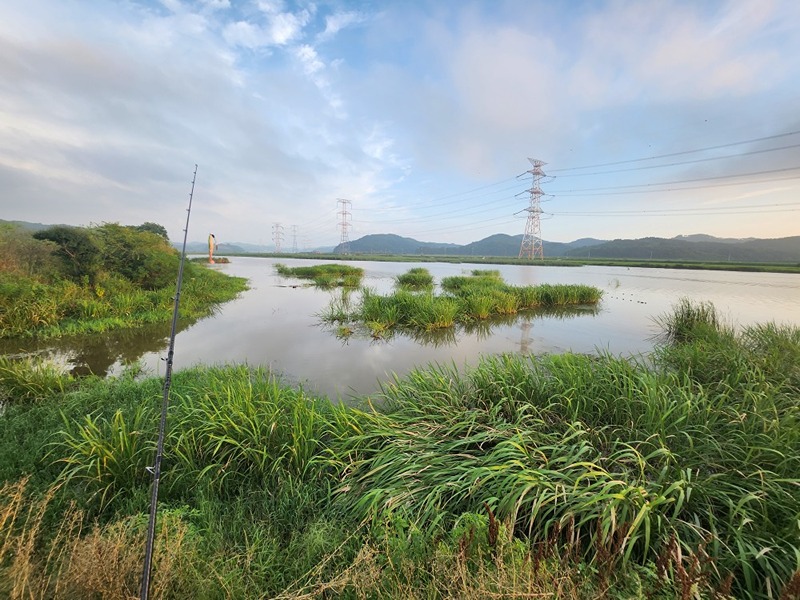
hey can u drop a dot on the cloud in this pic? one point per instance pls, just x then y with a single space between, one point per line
276 28
288 105
337 22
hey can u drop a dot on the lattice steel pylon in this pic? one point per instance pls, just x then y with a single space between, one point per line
277 236
531 246
294 239
345 224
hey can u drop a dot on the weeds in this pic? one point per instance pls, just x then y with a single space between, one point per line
467 299
558 476
325 276
415 279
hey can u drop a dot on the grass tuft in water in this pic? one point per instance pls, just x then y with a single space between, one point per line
415 279
325 276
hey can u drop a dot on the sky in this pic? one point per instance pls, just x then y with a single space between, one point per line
654 117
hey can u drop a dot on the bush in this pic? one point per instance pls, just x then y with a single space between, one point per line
77 249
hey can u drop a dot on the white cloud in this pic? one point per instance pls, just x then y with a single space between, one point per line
336 22
244 33
107 107
216 4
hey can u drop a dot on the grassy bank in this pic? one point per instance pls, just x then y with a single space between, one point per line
464 301
562 476
98 279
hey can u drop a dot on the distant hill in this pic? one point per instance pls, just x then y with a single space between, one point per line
694 247
697 247
389 243
500 244
702 237
27 225
750 250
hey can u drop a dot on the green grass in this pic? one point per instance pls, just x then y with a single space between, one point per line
466 300
417 278
561 476
31 309
326 276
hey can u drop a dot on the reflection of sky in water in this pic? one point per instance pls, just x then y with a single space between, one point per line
274 324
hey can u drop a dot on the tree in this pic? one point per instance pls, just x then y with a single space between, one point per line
75 246
145 258
153 228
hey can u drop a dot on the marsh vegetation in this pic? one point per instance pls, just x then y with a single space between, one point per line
559 476
414 306
325 276
69 280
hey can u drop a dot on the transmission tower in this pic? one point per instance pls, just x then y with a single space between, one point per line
277 236
345 224
294 239
531 246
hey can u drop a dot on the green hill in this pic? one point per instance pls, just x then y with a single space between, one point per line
751 250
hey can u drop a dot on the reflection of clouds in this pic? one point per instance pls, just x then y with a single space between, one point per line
97 354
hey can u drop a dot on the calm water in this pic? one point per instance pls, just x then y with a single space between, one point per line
275 324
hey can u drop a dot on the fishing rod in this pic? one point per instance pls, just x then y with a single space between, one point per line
155 470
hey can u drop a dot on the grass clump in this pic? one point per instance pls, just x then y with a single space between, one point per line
417 278
28 380
466 299
689 319
325 276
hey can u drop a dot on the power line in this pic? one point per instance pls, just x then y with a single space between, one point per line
681 211
681 153
679 189
683 162
620 187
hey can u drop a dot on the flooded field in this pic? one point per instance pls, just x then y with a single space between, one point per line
275 323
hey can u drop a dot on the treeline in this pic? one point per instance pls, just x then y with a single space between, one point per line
65 279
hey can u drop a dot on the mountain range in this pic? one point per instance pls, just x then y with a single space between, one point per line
695 247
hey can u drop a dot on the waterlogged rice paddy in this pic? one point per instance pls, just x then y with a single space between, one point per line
276 323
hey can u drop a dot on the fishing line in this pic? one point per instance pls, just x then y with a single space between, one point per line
155 470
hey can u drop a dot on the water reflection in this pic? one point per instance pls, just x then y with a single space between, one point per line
95 354
481 329
278 327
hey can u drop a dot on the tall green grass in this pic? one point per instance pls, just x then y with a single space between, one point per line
29 380
466 299
589 470
228 427
417 278
602 453
326 276
30 309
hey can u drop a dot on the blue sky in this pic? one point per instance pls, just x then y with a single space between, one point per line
422 114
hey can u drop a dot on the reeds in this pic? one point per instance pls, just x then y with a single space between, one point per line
417 279
85 560
30 380
325 276
466 299
601 453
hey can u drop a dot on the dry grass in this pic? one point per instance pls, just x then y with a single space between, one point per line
85 560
